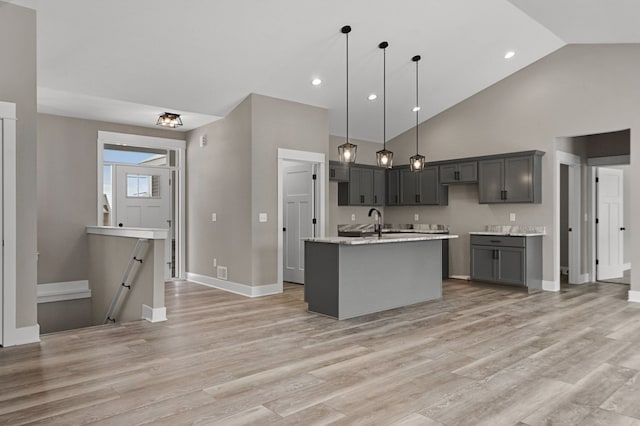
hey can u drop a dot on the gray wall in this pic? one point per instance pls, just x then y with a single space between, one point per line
235 176
64 315
577 90
67 191
18 85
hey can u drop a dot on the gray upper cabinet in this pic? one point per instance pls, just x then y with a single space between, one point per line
393 187
510 179
365 187
338 172
422 188
464 172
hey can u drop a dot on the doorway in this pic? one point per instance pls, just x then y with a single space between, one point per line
142 186
301 209
568 264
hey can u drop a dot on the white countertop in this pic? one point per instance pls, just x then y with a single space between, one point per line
148 233
510 234
385 238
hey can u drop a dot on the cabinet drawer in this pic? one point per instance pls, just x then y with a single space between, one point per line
498 240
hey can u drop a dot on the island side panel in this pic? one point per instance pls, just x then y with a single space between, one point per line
321 280
377 277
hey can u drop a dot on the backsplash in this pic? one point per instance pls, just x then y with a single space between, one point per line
517 229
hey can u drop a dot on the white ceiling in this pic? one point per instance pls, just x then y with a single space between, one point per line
128 61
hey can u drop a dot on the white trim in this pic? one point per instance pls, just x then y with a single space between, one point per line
634 296
148 233
236 288
614 160
626 266
550 285
460 277
154 314
9 333
307 157
66 290
151 142
583 279
25 335
575 193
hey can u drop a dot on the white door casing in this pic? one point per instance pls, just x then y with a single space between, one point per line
298 216
143 200
610 223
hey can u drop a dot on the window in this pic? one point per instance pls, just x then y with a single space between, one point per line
143 186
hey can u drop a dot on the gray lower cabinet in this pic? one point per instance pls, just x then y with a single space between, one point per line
510 179
464 172
507 260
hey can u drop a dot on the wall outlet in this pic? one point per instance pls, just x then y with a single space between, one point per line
222 273
512 217
214 217
215 262
262 217
416 217
353 217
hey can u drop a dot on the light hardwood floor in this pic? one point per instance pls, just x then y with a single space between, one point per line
483 355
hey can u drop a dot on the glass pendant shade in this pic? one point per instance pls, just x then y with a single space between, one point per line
169 119
347 152
385 158
417 163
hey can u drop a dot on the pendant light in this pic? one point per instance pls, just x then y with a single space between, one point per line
384 156
347 150
417 161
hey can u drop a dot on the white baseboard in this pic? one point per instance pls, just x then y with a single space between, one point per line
154 314
583 279
634 296
231 287
626 266
66 290
23 336
460 277
550 285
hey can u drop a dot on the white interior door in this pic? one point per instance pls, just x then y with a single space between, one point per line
298 219
143 200
2 231
610 223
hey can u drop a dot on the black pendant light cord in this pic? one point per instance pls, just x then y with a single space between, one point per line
416 59
384 96
346 29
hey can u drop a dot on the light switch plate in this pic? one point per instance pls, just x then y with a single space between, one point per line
262 217
512 217
353 217
416 217
214 217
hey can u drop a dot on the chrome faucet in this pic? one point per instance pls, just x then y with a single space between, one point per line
377 227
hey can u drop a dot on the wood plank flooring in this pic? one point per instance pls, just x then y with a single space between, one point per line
484 354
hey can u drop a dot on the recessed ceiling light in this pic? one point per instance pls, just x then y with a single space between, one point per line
416 109
372 97
316 82
510 54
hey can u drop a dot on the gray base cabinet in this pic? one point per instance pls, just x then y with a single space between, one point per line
511 260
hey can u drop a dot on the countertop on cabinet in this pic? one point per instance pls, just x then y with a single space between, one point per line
402 237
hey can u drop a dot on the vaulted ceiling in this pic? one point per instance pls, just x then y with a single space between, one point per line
127 61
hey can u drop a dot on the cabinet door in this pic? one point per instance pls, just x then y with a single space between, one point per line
468 172
429 186
448 173
408 187
366 186
393 187
511 265
378 187
338 172
355 192
491 180
518 179
483 263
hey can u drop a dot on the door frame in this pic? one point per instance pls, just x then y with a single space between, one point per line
574 163
305 157
180 146
8 216
592 163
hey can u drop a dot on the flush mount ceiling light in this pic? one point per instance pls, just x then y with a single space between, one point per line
510 54
169 119
384 156
316 82
416 162
347 150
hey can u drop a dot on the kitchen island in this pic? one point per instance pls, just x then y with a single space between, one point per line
347 277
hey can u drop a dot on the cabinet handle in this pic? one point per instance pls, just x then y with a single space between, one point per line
375 199
456 175
332 172
396 198
623 229
362 199
495 241
417 198
505 194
